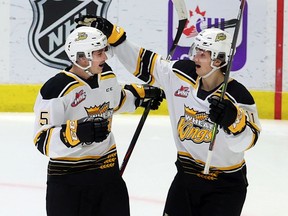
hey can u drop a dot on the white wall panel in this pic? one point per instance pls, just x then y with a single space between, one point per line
146 23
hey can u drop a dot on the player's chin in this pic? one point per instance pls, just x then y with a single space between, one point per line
101 65
99 68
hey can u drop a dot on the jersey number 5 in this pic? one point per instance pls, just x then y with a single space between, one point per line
43 118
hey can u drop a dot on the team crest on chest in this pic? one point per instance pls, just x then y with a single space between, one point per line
102 111
194 125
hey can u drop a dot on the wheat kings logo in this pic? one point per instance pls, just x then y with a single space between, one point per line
194 125
53 21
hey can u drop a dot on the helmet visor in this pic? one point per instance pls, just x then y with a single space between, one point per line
195 50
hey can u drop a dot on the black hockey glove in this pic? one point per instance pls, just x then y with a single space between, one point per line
144 93
85 130
115 34
227 115
155 103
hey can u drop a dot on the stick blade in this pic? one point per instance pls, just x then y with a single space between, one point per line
181 9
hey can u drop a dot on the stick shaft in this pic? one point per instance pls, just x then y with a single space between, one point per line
224 87
135 138
182 16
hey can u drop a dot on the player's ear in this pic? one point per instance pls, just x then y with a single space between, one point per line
217 62
81 58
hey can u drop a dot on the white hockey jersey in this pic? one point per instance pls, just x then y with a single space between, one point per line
68 97
189 108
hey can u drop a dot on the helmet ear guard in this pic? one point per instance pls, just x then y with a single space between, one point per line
80 55
221 56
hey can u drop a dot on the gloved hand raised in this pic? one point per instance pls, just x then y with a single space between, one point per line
85 130
144 93
226 114
115 34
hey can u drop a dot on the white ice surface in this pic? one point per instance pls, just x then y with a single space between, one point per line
150 169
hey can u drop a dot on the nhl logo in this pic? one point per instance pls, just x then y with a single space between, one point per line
53 21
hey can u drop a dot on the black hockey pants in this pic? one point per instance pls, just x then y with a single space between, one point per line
88 193
190 195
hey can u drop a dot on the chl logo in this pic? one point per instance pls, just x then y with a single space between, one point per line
182 92
52 23
202 13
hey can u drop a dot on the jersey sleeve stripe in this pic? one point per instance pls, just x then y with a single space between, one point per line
255 131
42 141
122 100
145 66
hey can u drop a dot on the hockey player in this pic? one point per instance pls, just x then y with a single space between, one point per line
193 88
74 111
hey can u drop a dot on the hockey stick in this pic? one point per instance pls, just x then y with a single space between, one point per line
182 17
224 87
135 138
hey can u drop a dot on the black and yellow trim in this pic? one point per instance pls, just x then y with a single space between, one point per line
145 66
193 166
122 100
42 141
186 71
185 78
71 86
255 130
71 133
107 75
59 85
69 165
117 36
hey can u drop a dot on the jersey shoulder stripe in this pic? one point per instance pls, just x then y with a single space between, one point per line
59 85
239 92
107 73
186 71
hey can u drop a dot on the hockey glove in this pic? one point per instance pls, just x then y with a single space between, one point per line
227 115
115 34
86 130
144 93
